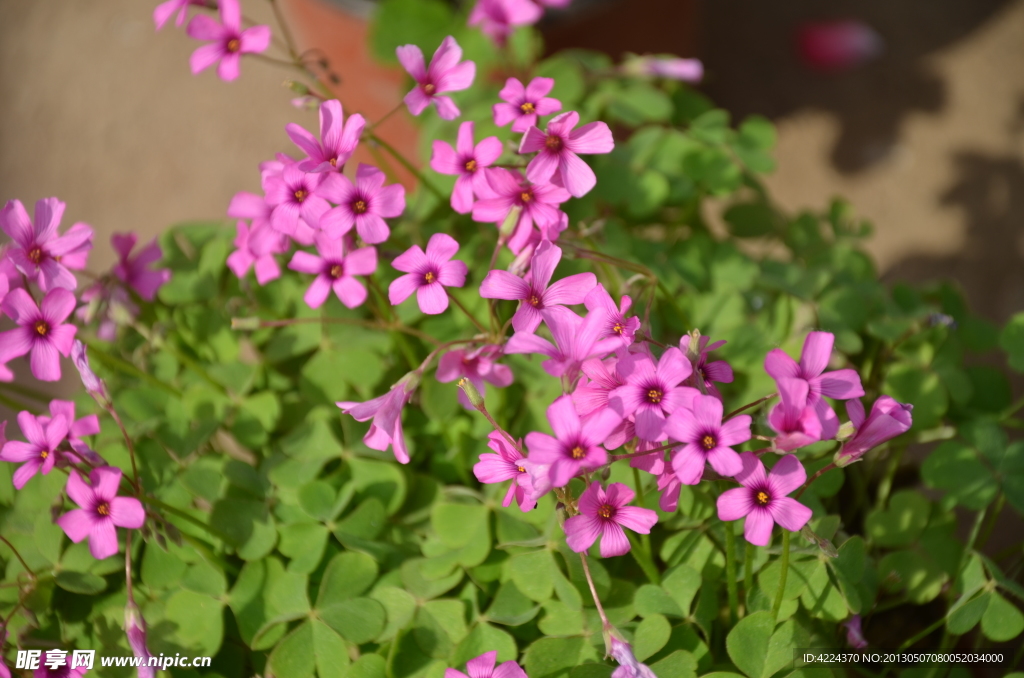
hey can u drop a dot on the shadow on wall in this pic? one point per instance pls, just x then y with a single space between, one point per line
749 52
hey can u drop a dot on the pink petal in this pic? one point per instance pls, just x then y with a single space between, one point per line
403 287
779 365
582 531
840 384
390 200
446 108
444 160
512 92
45 361
205 56
338 221
26 471
458 78
505 113
735 431
650 422
349 291
725 461
255 40
453 274
362 261
815 356
482 666
441 247
786 476
543 166
462 194
304 262
758 527
613 540
570 290
688 465
432 298
734 504
538 88
527 342
577 176
416 100
855 410
594 137
15 343
318 292
18 451
76 523
503 285
753 471
127 512
789 513
533 141
638 519
372 229
57 306
446 56
564 420
673 367
15 222
508 669
105 482
411 59
103 539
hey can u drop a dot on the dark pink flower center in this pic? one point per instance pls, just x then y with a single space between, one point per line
526 196
762 498
708 442
334 162
234 44
429 277
103 508
470 165
520 469
336 271
534 299
359 206
35 255
577 452
618 327
654 395
527 108
553 143
429 88
42 328
301 195
606 511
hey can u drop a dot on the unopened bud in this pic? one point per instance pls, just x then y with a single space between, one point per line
135 628
245 324
474 396
823 544
842 459
93 384
693 350
606 474
296 86
510 223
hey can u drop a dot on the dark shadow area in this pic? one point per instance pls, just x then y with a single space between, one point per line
989 191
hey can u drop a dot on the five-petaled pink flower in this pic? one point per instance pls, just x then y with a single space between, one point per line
428 274
706 438
230 42
534 294
386 412
887 420
445 74
504 464
335 269
483 667
297 199
497 18
576 340
797 424
364 204
478 365
134 271
604 514
40 452
573 447
523 105
539 205
469 163
652 392
101 512
37 250
162 13
41 330
705 372
338 139
558 148
618 324
763 500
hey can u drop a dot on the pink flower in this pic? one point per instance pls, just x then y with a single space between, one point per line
257 245
887 420
573 447
797 424
502 466
101 511
88 425
651 393
230 42
672 68
576 340
135 629
483 667
163 11
523 105
604 514
497 18
37 251
40 453
445 74
133 271
363 204
763 500
558 149
469 162
478 365
618 325
854 634
297 200
838 45
706 372
669 486
706 438
42 330
335 269
594 394
93 384
535 295
427 274
539 205
629 665
338 140
386 412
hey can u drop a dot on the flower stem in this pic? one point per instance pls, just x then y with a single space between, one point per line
783 574
730 572
387 115
593 591
17 555
467 313
748 573
131 448
209 529
125 367
749 405
406 164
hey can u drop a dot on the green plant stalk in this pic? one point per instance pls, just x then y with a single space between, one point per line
643 558
407 165
748 574
125 367
209 529
783 574
465 311
885 486
730 572
17 555
986 532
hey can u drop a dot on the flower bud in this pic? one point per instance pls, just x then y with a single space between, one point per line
93 384
245 324
509 225
474 396
135 627
629 666
823 544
